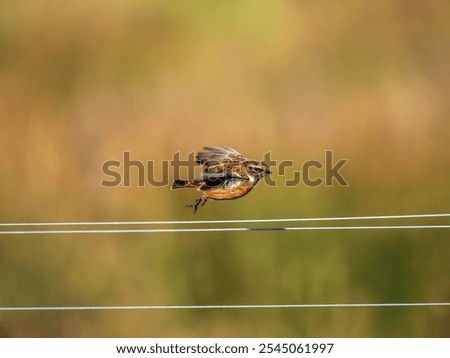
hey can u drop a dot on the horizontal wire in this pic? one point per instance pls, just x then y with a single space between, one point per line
193 307
246 221
221 229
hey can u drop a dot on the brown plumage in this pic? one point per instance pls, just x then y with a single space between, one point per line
227 175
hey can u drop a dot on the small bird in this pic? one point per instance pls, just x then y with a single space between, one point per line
227 175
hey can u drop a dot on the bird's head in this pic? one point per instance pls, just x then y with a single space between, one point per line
256 170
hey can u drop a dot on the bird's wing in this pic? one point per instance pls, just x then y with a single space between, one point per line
217 153
221 160
219 180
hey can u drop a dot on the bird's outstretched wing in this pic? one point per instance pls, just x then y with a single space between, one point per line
221 160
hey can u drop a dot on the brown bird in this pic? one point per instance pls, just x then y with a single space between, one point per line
227 175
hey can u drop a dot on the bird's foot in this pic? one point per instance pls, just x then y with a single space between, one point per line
197 203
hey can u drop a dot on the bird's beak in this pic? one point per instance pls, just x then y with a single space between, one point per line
267 172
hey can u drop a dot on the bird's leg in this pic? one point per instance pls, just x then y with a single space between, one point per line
204 202
195 205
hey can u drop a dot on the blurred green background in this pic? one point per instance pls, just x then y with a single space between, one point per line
82 82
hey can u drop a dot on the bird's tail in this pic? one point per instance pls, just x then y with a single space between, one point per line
179 184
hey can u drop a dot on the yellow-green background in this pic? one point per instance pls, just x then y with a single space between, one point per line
83 81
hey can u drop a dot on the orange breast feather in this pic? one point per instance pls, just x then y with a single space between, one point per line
236 191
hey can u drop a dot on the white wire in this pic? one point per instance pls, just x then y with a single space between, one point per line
165 307
246 221
221 229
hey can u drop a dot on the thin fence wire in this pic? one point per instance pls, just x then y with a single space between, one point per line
221 229
194 307
245 221
30 228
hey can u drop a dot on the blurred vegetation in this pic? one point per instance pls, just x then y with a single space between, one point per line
82 82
